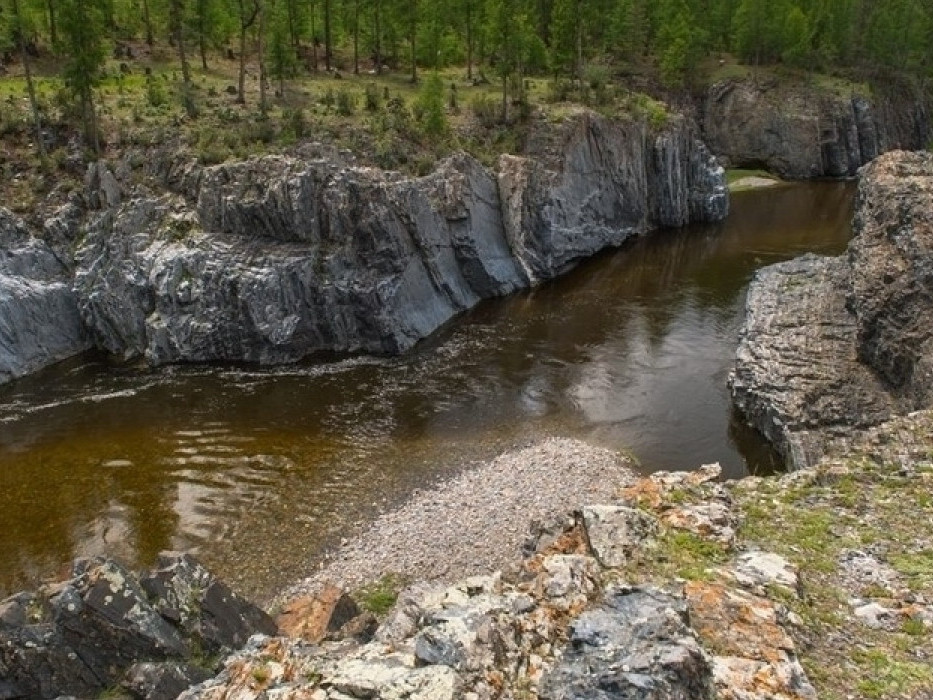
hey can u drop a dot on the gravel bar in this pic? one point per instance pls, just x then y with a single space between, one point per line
475 522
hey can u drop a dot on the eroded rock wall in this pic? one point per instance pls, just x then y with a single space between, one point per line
274 259
832 345
805 131
39 321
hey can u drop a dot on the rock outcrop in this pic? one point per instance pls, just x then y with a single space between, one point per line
805 131
274 259
833 345
39 320
559 625
106 626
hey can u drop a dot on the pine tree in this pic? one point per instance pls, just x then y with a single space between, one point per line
82 31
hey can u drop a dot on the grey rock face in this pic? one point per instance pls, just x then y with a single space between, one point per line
634 645
891 258
797 377
280 259
831 345
39 321
616 533
802 132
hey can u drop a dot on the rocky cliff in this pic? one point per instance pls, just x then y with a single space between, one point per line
39 321
274 259
800 130
832 345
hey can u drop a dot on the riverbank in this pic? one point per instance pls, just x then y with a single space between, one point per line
812 584
476 522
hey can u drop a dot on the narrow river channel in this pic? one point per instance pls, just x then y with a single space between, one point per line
259 470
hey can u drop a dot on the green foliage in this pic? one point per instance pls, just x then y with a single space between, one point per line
430 106
379 596
346 103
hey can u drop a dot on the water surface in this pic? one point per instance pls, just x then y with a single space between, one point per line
259 470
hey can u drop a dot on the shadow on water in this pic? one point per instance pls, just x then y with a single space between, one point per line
260 470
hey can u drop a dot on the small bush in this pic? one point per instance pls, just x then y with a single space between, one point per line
371 100
346 103
296 123
486 109
430 106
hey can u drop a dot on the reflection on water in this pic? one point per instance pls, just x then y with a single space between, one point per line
259 470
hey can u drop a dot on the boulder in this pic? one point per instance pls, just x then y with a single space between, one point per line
79 637
312 617
635 643
616 533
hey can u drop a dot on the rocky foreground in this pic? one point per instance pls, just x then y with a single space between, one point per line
834 345
814 584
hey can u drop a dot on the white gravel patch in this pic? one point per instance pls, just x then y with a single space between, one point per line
476 522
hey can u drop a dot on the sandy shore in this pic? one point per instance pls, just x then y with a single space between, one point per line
477 521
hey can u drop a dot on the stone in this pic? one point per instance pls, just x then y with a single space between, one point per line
799 131
635 643
759 570
80 636
713 520
738 678
313 617
756 658
736 623
164 680
617 533
39 319
797 377
201 605
875 615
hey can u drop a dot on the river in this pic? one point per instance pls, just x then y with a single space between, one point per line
259 470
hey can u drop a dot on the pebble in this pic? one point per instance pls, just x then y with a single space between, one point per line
476 522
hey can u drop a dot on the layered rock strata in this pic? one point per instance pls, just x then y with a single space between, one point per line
832 345
156 632
277 258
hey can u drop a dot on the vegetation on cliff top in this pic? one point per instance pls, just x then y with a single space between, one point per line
228 79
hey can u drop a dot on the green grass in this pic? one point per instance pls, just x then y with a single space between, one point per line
379 597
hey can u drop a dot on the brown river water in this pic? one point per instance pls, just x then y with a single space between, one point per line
260 470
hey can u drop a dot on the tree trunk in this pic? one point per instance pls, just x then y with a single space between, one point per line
202 32
53 29
469 39
377 18
314 40
177 14
505 98
241 86
412 34
356 37
327 45
30 86
147 22
262 57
